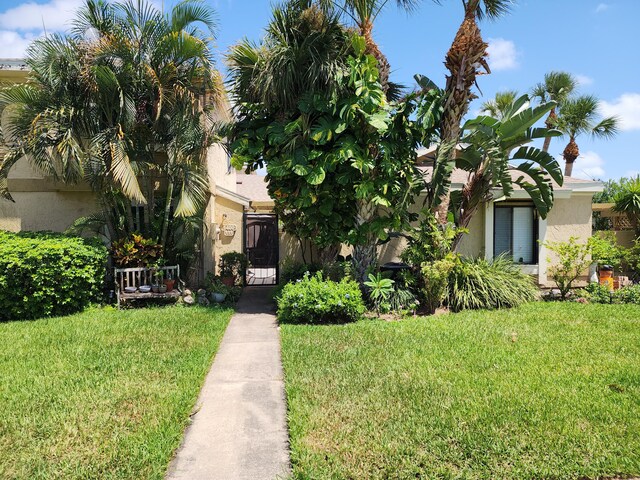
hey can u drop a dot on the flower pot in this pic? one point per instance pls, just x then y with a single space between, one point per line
170 283
229 281
155 288
218 297
162 289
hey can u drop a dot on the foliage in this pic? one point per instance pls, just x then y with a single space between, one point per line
482 284
432 398
379 290
213 283
233 264
632 258
573 259
129 377
435 275
402 300
612 188
46 274
290 270
341 158
605 249
596 293
117 102
136 251
315 300
429 241
628 294
628 201
497 158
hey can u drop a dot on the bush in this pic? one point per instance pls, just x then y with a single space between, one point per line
573 260
596 293
435 275
135 251
478 283
315 300
47 274
630 294
233 264
605 249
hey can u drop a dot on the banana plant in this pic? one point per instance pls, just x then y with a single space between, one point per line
498 158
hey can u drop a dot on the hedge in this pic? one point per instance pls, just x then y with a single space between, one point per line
47 274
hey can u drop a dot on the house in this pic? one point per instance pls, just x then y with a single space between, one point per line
239 215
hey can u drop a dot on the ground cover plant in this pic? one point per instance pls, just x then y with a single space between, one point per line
101 394
546 390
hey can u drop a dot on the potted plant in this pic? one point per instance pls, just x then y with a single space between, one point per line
170 283
158 285
218 289
232 268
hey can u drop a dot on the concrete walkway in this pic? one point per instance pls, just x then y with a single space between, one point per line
239 430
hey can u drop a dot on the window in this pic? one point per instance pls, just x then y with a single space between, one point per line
515 233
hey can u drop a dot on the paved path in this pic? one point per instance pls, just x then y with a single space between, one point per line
239 430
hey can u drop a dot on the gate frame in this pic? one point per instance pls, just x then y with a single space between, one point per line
245 216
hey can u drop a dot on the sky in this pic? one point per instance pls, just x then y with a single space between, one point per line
597 41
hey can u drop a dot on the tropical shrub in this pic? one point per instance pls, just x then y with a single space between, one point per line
628 201
315 300
596 293
573 259
47 274
135 251
402 300
435 277
479 283
630 294
632 258
379 289
233 264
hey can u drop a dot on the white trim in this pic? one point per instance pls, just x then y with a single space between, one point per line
488 230
233 196
542 252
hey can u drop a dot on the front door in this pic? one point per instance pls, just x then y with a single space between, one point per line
262 249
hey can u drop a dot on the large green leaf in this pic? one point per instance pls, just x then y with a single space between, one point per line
542 158
523 120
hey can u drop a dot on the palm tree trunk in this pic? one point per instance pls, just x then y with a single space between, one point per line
167 213
570 154
384 68
550 123
365 254
468 51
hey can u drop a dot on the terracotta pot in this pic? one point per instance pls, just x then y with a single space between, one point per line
229 281
170 283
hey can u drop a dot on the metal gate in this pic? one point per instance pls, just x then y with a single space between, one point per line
262 248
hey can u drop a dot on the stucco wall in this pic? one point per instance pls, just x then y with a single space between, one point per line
219 171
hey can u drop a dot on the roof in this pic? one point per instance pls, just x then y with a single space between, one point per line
252 186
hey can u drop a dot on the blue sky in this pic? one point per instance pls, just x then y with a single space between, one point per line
598 41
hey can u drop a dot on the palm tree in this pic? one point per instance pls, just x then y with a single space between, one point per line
627 201
500 105
579 116
465 60
118 103
557 87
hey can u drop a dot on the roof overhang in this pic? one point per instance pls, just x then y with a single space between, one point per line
232 196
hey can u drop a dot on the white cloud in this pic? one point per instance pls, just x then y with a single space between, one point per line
584 80
54 15
589 166
627 108
602 7
502 54
14 44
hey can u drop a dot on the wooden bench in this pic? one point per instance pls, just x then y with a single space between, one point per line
136 277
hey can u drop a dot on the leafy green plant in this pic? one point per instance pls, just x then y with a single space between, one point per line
233 264
135 251
214 284
46 274
629 294
605 249
435 275
628 201
596 293
632 257
483 284
379 289
573 260
315 300
402 300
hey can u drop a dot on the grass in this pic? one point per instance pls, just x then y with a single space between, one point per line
548 390
102 394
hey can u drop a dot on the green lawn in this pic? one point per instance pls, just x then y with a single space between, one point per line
102 394
544 391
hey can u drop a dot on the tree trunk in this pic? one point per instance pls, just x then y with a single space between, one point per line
365 254
167 213
463 61
570 154
549 123
384 68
